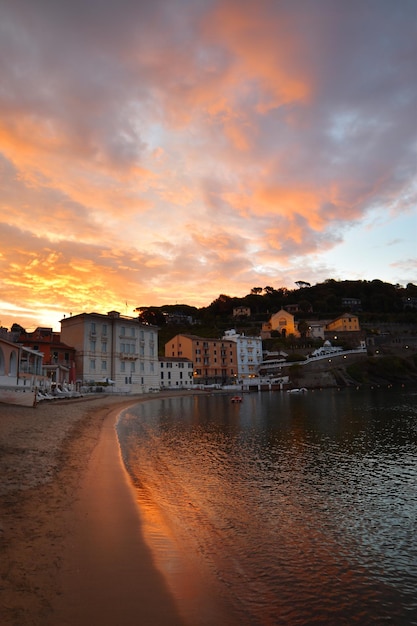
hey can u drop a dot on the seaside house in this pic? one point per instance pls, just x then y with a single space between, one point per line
113 349
175 372
214 360
20 366
58 357
249 353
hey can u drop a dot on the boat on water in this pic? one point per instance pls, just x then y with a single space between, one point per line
236 399
297 390
18 396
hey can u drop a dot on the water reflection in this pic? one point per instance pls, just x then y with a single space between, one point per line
285 509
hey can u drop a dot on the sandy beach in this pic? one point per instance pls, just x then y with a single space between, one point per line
71 549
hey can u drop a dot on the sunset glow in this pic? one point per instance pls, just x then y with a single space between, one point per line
171 151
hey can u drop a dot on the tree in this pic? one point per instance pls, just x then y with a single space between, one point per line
256 290
301 283
151 315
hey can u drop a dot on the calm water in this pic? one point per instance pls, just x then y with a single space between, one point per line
285 509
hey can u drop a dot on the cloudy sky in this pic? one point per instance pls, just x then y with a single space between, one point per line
173 150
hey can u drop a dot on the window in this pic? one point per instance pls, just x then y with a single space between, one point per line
93 327
104 346
132 332
104 365
92 365
104 329
92 346
122 366
132 367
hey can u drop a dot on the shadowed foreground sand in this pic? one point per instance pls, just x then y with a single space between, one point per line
71 548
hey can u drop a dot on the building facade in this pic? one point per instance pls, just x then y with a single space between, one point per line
282 322
175 372
58 358
112 348
20 366
214 360
249 354
343 324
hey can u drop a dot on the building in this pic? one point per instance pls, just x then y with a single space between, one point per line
343 324
249 353
282 322
352 304
241 311
214 360
113 348
20 366
316 328
58 358
175 372
345 328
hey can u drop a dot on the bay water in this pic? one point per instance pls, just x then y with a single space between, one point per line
287 509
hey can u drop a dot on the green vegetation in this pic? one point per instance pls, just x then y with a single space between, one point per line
386 369
374 302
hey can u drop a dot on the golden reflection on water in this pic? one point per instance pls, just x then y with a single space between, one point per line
282 509
179 569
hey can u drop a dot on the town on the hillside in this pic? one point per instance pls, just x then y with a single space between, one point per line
290 349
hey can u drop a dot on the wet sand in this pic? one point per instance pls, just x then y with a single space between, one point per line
71 548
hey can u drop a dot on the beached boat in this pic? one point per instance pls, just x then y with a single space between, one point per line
17 395
236 399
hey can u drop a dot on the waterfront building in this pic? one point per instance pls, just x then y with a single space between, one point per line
249 354
58 358
214 360
20 366
175 372
113 348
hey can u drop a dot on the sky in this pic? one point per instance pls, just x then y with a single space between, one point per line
171 151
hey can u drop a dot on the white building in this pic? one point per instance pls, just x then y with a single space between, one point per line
249 353
175 372
113 348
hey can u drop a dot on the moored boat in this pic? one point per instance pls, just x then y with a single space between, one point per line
17 396
236 399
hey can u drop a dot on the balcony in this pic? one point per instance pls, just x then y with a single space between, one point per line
128 356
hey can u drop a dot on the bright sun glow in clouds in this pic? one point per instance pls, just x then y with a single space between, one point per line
163 152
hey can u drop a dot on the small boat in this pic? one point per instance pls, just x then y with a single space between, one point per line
236 399
296 390
18 396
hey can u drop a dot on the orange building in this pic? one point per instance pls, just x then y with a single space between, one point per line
58 358
214 360
343 324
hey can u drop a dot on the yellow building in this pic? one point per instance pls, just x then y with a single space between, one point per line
343 324
283 322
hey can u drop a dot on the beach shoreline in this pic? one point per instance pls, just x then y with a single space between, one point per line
51 460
